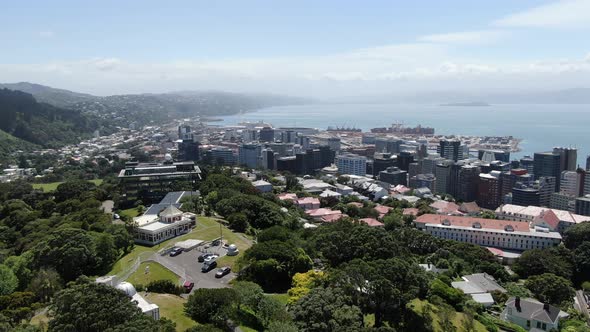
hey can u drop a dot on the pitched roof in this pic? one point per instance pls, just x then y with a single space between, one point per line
533 309
444 207
411 211
462 221
171 210
371 222
549 217
469 207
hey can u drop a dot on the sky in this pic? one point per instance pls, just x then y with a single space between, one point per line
329 48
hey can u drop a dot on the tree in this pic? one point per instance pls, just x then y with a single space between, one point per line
539 261
303 283
238 222
270 309
8 280
582 263
45 284
577 234
248 293
211 305
326 310
281 326
550 288
91 307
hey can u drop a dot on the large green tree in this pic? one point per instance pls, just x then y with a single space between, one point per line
550 288
8 280
213 306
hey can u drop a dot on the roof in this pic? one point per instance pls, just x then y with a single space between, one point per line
532 211
444 207
174 197
462 221
261 183
469 207
171 210
155 209
484 298
333 217
371 222
548 217
330 193
467 287
287 196
411 212
308 200
382 209
533 309
323 212
484 281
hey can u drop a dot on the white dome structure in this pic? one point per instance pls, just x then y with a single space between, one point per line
127 288
232 250
168 157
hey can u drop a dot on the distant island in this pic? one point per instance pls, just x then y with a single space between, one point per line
471 103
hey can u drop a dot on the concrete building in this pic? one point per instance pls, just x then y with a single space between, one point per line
528 214
568 158
467 183
450 149
442 173
151 229
489 193
188 150
488 232
583 205
383 161
249 155
151 181
562 201
394 176
404 159
571 183
266 134
423 181
221 155
546 185
388 144
351 164
528 163
493 155
547 164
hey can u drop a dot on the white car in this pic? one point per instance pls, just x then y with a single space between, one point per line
211 258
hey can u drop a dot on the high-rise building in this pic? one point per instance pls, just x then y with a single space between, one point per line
334 143
266 134
563 202
351 164
588 163
583 205
184 132
287 164
468 181
547 164
546 186
528 163
394 176
571 183
388 144
450 149
492 155
288 136
442 173
221 155
188 150
489 194
382 161
429 163
404 159
568 158
249 155
415 169
268 159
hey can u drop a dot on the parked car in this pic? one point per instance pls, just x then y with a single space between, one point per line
222 272
211 258
188 286
202 257
175 252
208 266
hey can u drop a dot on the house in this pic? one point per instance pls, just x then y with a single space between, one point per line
479 286
287 197
329 193
532 315
314 186
382 210
432 268
262 186
470 208
411 212
308 203
151 229
444 207
325 215
400 189
371 222
343 189
423 192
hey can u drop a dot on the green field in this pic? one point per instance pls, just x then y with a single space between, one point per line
172 307
52 186
416 305
156 272
130 213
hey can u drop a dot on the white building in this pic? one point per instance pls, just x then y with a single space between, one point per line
351 164
263 186
152 229
488 232
528 213
150 309
532 315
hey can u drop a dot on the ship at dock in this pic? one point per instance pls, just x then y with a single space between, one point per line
344 129
399 128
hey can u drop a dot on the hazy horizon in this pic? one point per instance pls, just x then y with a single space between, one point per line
330 50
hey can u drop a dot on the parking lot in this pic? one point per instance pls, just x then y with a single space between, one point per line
188 267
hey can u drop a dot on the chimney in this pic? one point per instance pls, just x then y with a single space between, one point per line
517 304
546 306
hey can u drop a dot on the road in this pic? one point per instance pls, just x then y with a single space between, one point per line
582 304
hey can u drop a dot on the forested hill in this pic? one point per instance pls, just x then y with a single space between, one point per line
45 125
155 108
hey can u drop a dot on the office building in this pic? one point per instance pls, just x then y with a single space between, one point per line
489 194
547 164
546 186
150 182
394 176
429 163
266 134
467 183
351 164
588 163
568 158
450 149
383 161
488 232
583 205
528 163
333 143
423 181
442 173
562 201
571 183
525 195
388 144
268 159
287 164
188 150
184 133
288 136
249 155
222 156
415 168
404 159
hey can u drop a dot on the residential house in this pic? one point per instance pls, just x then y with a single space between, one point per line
262 186
479 286
308 203
532 315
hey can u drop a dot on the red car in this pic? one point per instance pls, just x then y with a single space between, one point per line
188 286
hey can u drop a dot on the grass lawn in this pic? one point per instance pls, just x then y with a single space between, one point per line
417 305
207 229
130 213
283 298
172 307
40 320
157 272
52 186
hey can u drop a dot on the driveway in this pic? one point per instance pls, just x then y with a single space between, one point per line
187 266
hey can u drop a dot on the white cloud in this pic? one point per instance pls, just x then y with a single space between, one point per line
561 14
46 34
465 37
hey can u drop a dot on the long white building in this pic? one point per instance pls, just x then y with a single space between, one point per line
528 214
488 232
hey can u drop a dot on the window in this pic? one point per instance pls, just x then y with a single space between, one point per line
528 323
538 325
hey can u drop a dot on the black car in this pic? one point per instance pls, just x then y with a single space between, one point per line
175 252
202 257
208 266
222 272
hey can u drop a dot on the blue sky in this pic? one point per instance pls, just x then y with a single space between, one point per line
331 48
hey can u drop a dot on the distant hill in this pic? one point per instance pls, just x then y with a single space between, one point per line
10 144
45 94
21 116
155 108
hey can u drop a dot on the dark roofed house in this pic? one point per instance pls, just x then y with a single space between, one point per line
532 315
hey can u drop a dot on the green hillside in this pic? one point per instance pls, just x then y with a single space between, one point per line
10 144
